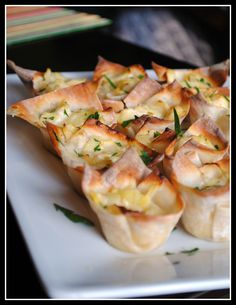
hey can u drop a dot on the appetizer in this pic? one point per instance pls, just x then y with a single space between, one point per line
94 143
42 82
204 140
59 106
215 103
195 79
136 207
116 81
204 187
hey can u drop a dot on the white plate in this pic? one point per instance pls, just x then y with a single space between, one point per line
74 260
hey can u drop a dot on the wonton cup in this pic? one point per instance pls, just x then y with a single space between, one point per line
136 207
94 143
116 81
74 103
205 77
205 191
214 103
42 82
203 141
160 105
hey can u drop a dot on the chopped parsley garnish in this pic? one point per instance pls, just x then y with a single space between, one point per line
93 116
202 80
226 97
110 81
72 216
187 83
96 140
216 147
118 144
97 148
50 118
178 130
198 91
114 154
169 253
126 123
145 157
190 252
65 113
56 137
156 134
140 76
78 154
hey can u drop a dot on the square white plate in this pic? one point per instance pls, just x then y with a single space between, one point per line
74 260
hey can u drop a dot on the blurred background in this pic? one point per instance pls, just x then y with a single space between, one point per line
197 35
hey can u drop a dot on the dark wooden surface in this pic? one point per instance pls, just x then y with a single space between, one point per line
76 52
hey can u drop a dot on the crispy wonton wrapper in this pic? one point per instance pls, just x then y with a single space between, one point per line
136 207
203 141
39 83
94 143
115 81
205 77
214 103
56 106
205 191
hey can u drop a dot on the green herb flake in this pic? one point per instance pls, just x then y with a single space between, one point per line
140 76
114 154
190 252
178 130
169 253
118 144
72 216
197 89
65 113
96 140
56 137
126 123
226 97
216 147
51 118
145 157
78 154
97 148
110 82
156 134
93 116
187 83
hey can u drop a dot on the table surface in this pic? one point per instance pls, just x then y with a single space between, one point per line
74 52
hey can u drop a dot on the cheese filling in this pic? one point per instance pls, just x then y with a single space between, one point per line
51 81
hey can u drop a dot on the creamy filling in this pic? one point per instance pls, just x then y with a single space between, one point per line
51 81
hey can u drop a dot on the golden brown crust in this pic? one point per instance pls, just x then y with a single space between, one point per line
206 214
25 75
103 66
81 96
124 228
216 74
146 88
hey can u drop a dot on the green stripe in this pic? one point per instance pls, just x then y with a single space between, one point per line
39 18
58 32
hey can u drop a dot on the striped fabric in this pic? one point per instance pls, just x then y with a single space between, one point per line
27 23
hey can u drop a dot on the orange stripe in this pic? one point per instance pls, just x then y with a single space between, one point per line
33 13
21 9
